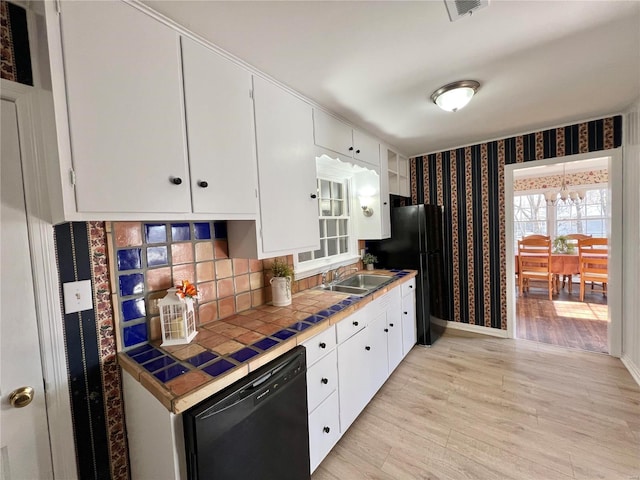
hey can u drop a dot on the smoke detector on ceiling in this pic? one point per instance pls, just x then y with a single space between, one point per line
461 8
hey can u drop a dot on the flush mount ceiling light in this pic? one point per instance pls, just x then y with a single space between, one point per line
456 95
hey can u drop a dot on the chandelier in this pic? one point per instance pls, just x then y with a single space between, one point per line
565 194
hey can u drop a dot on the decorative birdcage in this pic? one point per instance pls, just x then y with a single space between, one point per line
177 318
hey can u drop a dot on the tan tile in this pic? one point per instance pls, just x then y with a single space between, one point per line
284 321
314 281
158 278
181 253
205 271
224 269
155 331
257 297
250 337
271 317
152 302
184 272
188 351
255 265
208 312
220 248
267 294
187 382
255 314
226 307
267 263
236 331
240 266
204 251
207 291
242 283
213 341
243 301
220 326
225 287
251 324
128 234
303 284
228 347
256 280
267 328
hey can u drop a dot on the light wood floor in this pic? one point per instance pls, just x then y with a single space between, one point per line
565 321
488 408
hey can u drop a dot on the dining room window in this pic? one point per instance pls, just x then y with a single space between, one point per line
530 214
589 216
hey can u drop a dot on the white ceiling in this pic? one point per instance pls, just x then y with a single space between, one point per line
540 63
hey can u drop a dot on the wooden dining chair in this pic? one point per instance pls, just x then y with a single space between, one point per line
534 262
593 258
572 239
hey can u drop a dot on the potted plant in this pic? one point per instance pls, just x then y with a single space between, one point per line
561 244
281 283
369 259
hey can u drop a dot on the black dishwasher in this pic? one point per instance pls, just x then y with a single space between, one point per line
255 429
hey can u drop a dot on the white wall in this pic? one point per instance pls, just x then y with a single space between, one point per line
631 242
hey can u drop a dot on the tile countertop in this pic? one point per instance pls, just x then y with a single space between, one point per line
228 349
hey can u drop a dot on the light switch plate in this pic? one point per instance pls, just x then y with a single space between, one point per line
77 296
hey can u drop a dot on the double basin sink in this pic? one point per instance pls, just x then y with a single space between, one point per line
360 284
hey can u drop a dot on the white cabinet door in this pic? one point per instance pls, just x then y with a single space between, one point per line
394 330
409 332
385 227
331 133
322 379
353 377
126 117
366 148
219 114
375 355
286 170
324 430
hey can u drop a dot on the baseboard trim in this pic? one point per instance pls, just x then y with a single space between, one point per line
632 367
492 332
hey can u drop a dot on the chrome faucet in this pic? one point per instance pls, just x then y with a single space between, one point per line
339 272
324 278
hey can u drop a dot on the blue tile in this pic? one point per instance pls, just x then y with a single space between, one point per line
132 309
202 231
135 334
314 319
157 256
220 229
299 326
335 308
265 343
146 356
201 358
325 313
131 284
139 350
129 259
159 363
283 334
346 302
170 373
180 232
219 367
244 354
155 232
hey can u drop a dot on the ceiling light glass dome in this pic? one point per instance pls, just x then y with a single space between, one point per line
456 95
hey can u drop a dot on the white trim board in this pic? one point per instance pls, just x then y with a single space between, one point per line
32 123
492 332
633 369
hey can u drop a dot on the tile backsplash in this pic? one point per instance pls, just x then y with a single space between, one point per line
149 257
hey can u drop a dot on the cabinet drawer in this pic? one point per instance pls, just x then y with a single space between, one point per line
324 430
322 379
352 324
408 287
318 346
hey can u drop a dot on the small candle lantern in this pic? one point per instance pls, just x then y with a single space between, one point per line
177 315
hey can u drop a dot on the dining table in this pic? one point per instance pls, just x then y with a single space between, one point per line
561 264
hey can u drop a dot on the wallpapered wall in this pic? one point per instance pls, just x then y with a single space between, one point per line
591 177
469 183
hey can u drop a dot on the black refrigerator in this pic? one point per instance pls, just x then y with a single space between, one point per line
416 243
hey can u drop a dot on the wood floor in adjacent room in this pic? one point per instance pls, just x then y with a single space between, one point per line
565 321
489 408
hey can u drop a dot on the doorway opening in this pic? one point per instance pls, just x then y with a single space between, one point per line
564 198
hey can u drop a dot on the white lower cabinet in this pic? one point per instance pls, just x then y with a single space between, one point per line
353 372
322 380
324 430
394 330
409 326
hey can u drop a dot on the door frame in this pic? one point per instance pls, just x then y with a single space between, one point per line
34 108
614 294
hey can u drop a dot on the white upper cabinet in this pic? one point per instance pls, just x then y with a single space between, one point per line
220 134
399 175
337 136
125 108
286 170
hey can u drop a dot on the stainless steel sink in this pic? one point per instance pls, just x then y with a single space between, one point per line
346 289
364 281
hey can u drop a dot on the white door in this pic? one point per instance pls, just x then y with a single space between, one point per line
24 437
